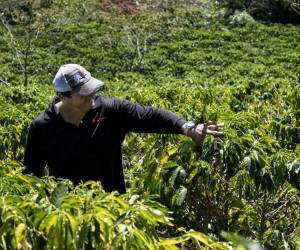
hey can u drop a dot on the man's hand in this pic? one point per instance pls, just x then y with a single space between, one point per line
199 132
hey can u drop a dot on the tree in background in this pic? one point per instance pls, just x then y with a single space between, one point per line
28 14
283 11
23 22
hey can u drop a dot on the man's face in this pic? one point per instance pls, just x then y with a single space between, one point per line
83 103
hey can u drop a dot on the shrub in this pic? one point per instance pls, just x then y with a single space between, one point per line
284 11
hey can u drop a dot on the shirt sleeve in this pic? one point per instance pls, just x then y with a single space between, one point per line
146 119
34 158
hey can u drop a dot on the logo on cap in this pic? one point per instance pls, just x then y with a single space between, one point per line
75 80
77 77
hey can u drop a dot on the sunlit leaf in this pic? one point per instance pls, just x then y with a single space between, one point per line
242 243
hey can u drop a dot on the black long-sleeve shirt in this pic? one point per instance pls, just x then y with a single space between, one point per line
92 151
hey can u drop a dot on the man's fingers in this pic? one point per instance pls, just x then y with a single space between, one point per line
215 126
214 133
209 123
201 130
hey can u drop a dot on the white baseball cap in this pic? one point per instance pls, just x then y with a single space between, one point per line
73 77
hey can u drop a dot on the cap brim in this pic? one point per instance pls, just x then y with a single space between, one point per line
90 87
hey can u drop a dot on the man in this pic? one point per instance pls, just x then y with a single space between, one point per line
79 136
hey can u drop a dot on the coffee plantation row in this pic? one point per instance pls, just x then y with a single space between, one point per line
179 195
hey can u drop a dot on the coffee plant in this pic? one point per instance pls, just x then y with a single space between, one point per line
238 191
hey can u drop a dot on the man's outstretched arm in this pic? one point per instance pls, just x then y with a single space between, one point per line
139 118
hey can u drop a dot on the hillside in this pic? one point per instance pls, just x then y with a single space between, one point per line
240 72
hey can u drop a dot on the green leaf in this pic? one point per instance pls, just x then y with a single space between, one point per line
204 239
71 202
192 175
297 236
242 243
165 157
58 194
179 196
73 223
172 241
174 176
49 222
20 234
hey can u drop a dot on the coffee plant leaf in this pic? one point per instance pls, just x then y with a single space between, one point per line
58 194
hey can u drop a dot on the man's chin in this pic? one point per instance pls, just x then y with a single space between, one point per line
92 104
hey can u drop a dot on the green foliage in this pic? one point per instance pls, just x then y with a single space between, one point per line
52 214
19 105
284 11
240 18
242 243
244 74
